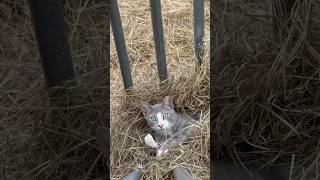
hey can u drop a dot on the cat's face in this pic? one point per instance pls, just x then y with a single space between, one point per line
158 115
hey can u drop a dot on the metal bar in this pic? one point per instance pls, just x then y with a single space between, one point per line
120 45
281 10
198 20
182 174
103 140
156 17
48 21
228 170
133 175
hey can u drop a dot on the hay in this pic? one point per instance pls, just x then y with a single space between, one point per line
40 139
189 86
266 97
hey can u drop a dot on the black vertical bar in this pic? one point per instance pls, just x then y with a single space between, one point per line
198 20
48 20
156 16
120 45
281 10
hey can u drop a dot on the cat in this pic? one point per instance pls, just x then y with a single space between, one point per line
169 127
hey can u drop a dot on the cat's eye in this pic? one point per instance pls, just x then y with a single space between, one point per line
152 118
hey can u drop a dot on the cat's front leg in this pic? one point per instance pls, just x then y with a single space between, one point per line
162 150
148 139
153 144
173 141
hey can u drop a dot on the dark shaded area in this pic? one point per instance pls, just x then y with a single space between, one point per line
48 22
229 171
53 138
265 90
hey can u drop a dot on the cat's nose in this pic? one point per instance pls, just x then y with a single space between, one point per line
160 125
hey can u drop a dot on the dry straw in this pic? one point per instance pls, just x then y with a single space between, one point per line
267 87
38 139
189 86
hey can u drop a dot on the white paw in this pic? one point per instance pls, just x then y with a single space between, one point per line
148 139
161 152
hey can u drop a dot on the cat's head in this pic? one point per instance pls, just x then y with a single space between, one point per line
158 115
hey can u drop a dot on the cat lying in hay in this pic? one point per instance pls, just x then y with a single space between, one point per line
169 127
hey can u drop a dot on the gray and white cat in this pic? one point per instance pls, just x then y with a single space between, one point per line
169 127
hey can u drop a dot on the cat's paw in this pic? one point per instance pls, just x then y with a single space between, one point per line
148 139
161 152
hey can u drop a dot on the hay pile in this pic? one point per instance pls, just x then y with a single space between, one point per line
40 139
266 97
188 85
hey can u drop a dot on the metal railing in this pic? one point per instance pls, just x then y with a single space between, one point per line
157 27
281 10
198 19
158 37
120 45
48 20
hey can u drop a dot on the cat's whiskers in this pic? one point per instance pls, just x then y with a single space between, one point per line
171 127
166 134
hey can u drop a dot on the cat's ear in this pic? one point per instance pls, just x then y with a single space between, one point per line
168 101
145 108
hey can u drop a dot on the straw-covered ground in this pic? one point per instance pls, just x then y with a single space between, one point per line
188 84
51 140
267 87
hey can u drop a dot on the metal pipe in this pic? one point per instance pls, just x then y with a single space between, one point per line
198 20
48 21
281 10
229 170
133 175
182 174
120 45
156 17
103 139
